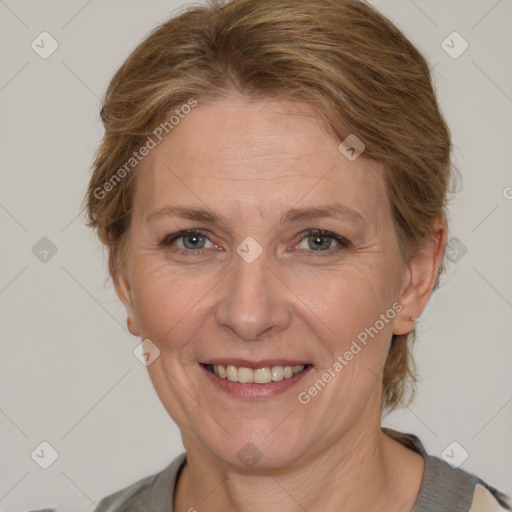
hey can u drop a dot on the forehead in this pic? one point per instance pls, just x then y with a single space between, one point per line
266 155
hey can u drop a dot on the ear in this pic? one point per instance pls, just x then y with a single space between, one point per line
123 290
420 277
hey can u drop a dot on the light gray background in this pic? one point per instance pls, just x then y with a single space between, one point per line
68 374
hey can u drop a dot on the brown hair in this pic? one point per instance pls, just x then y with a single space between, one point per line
349 62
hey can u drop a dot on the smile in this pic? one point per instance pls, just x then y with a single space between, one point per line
263 375
255 380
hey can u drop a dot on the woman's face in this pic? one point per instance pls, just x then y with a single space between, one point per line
254 289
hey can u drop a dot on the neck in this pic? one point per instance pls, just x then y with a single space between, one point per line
361 469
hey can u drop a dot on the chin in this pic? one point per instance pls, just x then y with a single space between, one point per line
250 446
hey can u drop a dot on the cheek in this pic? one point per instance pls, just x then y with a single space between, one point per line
349 300
169 303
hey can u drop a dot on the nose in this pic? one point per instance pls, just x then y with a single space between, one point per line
255 303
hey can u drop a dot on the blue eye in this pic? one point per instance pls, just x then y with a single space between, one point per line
323 241
191 240
317 242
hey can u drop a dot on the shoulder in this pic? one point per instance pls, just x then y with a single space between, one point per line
453 487
487 499
448 488
150 494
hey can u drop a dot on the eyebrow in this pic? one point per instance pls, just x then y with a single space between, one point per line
293 215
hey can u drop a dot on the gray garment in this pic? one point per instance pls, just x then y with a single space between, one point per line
443 489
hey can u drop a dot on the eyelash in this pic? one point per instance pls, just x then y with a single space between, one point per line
342 242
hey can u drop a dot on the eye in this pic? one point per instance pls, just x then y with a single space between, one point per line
322 241
194 241
191 240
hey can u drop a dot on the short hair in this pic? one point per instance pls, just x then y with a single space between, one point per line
350 63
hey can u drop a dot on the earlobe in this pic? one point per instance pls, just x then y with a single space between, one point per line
420 278
405 320
123 291
130 326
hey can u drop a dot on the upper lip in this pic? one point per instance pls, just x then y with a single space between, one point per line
226 361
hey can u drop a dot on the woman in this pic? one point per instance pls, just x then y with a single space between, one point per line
271 188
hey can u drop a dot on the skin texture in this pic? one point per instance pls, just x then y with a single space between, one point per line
250 162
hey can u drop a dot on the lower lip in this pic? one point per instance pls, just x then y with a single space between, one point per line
255 391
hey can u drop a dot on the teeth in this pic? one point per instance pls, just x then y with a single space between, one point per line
231 373
262 375
277 373
245 375
259 376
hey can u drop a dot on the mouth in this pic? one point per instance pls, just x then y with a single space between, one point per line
255 381
261 375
